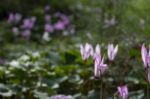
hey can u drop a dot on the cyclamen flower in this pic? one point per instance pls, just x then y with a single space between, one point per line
99 67
29 23
59 25
112 51
11 17
123 91
146 60
14 18
65 19
61 97
86 51
97 52
49 28
145 56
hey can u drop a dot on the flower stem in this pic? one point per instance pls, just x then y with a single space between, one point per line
147 90
101 89
147 70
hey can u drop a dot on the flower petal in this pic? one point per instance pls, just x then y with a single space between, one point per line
123 91
97 49
144 55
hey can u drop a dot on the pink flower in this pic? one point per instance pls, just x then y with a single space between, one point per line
146 60
123 91
61 97
14 18
86 51
11 17
65 19
59 25
29 23
49 28
99 67
97 52
112 51
144 54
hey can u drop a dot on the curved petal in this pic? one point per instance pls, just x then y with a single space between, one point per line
144 55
